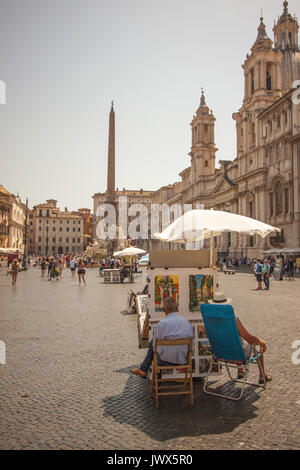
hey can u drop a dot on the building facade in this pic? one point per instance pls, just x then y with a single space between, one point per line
56 232
263 179
12 220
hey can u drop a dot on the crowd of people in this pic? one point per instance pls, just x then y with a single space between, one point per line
288 264
52 267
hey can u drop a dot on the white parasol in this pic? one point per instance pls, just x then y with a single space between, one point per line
130 251
200 224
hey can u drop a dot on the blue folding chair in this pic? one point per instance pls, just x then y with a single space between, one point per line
223 335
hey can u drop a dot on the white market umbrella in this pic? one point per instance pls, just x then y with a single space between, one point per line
130 251
200 224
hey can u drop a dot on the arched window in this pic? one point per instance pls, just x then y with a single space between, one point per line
278 198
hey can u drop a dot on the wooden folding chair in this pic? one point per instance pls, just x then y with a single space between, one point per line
187 369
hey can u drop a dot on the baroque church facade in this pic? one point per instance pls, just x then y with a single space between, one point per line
263 181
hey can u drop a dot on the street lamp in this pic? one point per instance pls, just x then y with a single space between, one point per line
25 237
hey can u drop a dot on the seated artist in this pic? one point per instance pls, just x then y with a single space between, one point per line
172 326
247 339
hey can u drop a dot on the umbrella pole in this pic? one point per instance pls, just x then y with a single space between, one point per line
211 250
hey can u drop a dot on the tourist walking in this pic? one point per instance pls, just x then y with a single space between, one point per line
73 266
54 271
266 274
81 272
43 267
258 273
14 271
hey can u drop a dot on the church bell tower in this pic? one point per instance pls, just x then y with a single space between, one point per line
203 159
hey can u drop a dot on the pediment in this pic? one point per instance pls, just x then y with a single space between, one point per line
221 186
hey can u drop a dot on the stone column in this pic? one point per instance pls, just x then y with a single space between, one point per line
111 154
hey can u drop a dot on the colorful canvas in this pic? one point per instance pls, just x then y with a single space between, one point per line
200 290
166 286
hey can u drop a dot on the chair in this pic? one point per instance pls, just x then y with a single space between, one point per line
222 333
187 368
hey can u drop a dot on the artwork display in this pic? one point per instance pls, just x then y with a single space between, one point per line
201 290
166 286
190 287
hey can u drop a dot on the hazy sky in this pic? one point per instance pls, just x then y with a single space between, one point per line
63 61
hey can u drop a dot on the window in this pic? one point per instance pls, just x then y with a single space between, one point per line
268 81
54 221
47 213
73 240
40 239
251 240
74 229
68 221
278 198
68 229
40 229
67 240
47 229
60 239
78 229
252 81
278 121
78 240
60 221
40 212
67 249
60 229
271 204
286 201
206 166
53 239
251 212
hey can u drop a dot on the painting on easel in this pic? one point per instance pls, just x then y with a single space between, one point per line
201 290
166 286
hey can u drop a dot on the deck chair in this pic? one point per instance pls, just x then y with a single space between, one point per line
187 369
222 333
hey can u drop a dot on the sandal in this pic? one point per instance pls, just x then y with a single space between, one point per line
267 377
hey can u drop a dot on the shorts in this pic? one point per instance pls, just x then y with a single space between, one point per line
259 277
73 269
81 271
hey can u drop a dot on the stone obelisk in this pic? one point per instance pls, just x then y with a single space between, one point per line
111 190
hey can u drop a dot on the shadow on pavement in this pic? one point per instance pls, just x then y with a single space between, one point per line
175 417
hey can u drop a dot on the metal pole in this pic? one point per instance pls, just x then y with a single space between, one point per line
211 249
25 236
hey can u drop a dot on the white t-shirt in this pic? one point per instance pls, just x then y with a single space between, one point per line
72 263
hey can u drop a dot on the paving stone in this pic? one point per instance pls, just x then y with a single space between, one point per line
67 382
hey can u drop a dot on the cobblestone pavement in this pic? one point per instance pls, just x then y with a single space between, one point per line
67 382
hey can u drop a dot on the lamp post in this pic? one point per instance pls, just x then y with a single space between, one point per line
25 237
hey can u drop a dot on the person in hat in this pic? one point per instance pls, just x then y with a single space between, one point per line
247 338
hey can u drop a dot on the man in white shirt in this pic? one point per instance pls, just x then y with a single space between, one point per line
172 326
